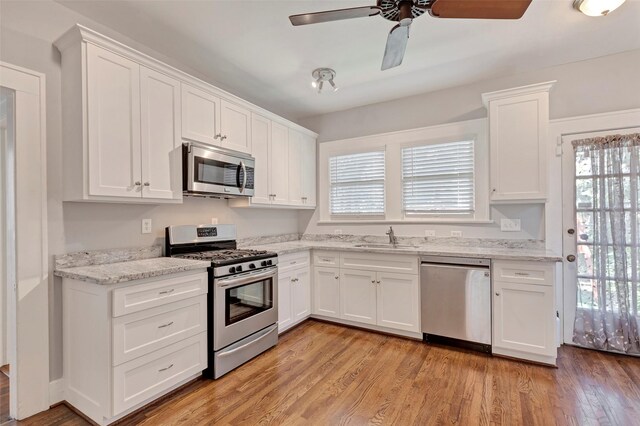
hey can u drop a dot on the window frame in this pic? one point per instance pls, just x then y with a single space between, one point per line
392 143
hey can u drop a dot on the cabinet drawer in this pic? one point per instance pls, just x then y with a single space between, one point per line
137 381
326 258
406 264
143 332
293 260
158 292
524 272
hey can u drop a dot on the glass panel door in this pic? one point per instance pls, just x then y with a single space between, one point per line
247 300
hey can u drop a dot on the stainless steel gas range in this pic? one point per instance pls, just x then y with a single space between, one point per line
243 293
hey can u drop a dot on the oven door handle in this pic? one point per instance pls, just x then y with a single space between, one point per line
234 282
239 348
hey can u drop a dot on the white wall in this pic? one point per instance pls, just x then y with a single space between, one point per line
27 30
598 85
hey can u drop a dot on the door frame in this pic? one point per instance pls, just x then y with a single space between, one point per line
28 298
559 130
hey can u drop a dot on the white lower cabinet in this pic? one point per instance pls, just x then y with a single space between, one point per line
126 344
326 291
374 294
294 290
524 315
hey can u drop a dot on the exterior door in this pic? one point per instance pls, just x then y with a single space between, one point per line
279 164
235 126
358 291
576 220
161 144
326 291
113 104
398 301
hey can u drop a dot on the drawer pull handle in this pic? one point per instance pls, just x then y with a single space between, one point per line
326 260
166 325
166 368
336 277
167 291
377 282
522 274
373 281
294 262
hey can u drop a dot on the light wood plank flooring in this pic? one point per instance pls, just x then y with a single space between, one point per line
325 374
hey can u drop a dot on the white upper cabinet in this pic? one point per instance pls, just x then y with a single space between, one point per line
518 132
261 150
295 168
126 114
160 122
235 127
113 116
302 169
200 116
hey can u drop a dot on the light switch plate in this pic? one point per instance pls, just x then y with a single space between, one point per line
456 233
510 225
146 226
429 233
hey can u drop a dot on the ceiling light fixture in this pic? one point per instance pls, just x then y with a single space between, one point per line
597 7
320 75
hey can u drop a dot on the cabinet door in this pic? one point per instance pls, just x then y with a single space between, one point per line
260 147
279 164
235 126
326 292
308 171
200 116
358 296
518 135
523 318
301 295
398 301
113 112
160 130
285 311
295 168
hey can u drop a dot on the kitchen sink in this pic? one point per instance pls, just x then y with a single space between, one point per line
384 246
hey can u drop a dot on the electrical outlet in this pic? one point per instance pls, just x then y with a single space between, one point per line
510 225
456 233
337 231
214 220
146 226
429 233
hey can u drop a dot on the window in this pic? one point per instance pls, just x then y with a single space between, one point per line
357 184
438 178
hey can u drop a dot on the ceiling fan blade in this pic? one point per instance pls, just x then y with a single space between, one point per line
334 15
479 9
396 45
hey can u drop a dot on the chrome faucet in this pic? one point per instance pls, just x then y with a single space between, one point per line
393 240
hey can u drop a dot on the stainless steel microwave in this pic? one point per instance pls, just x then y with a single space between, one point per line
211 171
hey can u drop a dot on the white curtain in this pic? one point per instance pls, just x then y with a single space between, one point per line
607 237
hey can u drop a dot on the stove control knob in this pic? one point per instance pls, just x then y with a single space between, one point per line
263 263
252 266
232 270
269 262
238 268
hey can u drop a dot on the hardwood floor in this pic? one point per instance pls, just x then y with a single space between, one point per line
325 374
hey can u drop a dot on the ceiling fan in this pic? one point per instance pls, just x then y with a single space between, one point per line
405 11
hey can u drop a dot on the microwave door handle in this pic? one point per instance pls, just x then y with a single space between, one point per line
244 176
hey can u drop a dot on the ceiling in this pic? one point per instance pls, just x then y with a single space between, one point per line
251 49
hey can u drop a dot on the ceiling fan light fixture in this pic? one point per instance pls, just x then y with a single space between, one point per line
322 75
597 7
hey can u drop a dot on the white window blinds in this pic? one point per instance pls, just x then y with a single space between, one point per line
438 178
357 184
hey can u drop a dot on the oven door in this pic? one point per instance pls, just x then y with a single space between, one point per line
211 170
244 304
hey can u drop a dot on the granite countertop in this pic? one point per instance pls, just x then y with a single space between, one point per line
118 272
497 253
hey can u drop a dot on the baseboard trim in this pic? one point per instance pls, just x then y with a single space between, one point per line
367 327
56 392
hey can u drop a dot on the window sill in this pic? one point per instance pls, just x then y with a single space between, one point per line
443 221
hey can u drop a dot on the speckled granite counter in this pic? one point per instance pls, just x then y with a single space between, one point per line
498 253
112 273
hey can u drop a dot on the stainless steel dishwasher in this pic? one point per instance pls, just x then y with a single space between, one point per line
455 297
